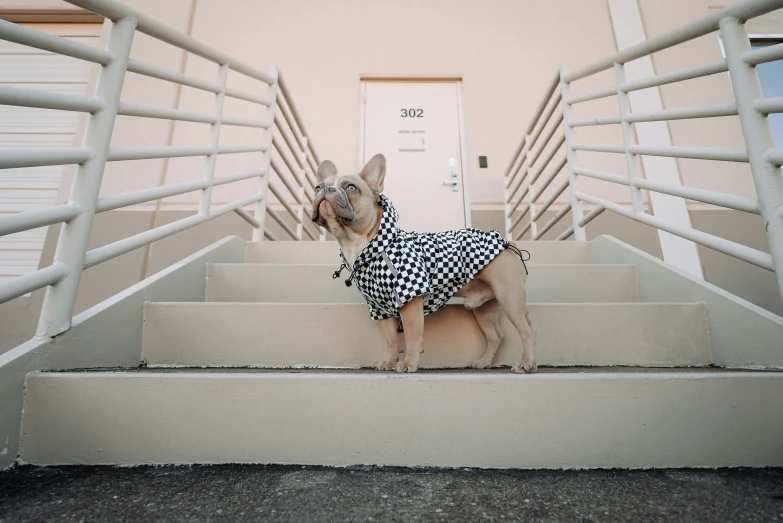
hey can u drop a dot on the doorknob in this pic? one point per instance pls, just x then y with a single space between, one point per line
454 182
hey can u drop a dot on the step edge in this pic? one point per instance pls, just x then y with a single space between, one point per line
367 376
466 369
264 264
321 304
294 242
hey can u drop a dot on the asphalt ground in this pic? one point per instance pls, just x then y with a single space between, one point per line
318 494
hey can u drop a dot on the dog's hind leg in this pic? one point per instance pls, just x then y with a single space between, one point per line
507 280
488 319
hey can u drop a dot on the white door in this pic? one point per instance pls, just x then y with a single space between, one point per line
36 188
416 125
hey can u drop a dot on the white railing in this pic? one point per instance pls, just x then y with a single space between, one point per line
282 130
529 174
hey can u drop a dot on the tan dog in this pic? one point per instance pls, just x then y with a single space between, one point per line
348 207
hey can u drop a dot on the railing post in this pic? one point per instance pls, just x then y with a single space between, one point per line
532 211
266 159
57 309
214 139
510 186
573 183
637 200
302 178
767 177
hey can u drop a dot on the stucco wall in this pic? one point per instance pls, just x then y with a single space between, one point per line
505 50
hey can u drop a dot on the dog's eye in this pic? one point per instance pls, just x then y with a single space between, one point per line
350 187
318 188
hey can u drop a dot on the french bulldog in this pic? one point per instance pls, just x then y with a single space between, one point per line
353 209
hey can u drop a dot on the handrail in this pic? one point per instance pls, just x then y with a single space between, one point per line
161 73
550 90
680 75
29 37
760 151
741 11
115 11
62 278
299 121
43 100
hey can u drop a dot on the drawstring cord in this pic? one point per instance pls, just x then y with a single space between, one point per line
339 271
516 250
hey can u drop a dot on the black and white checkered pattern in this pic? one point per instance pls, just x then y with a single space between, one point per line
397 265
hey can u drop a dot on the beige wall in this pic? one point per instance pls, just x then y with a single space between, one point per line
505 51
661 16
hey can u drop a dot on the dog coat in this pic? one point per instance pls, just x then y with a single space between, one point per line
398 266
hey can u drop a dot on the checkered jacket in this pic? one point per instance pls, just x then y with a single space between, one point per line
397 265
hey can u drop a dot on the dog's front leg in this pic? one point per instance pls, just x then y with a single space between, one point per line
389 328
412 314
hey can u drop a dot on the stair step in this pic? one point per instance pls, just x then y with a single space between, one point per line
592 419
314 284
328 252
342 335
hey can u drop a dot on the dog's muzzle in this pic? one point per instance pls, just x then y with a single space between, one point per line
339 202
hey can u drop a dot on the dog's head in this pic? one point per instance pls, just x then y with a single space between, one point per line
348 202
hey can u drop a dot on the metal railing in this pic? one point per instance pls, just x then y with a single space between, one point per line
529 173
281 130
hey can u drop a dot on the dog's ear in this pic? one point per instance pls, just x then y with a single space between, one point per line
326 170
374 172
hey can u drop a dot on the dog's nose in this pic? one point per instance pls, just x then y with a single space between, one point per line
331 189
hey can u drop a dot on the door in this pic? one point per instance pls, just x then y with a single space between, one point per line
36 188
416 125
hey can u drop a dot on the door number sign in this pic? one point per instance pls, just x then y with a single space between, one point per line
412 113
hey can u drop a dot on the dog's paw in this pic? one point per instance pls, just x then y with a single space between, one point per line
481 363
387 365
524 367
404 366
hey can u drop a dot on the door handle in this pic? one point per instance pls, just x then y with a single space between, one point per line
454 182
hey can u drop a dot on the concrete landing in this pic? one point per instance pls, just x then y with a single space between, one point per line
342 335
553 419
286 283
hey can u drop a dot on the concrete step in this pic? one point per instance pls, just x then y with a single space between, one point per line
314 283
553 419
542 252
342 335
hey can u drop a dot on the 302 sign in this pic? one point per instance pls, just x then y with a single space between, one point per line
412 113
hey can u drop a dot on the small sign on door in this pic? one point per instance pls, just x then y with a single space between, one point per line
411 141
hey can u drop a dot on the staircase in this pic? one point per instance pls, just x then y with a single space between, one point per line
275 367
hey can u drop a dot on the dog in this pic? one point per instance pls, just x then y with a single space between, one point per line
404 275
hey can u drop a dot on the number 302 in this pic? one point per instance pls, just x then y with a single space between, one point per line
412 113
